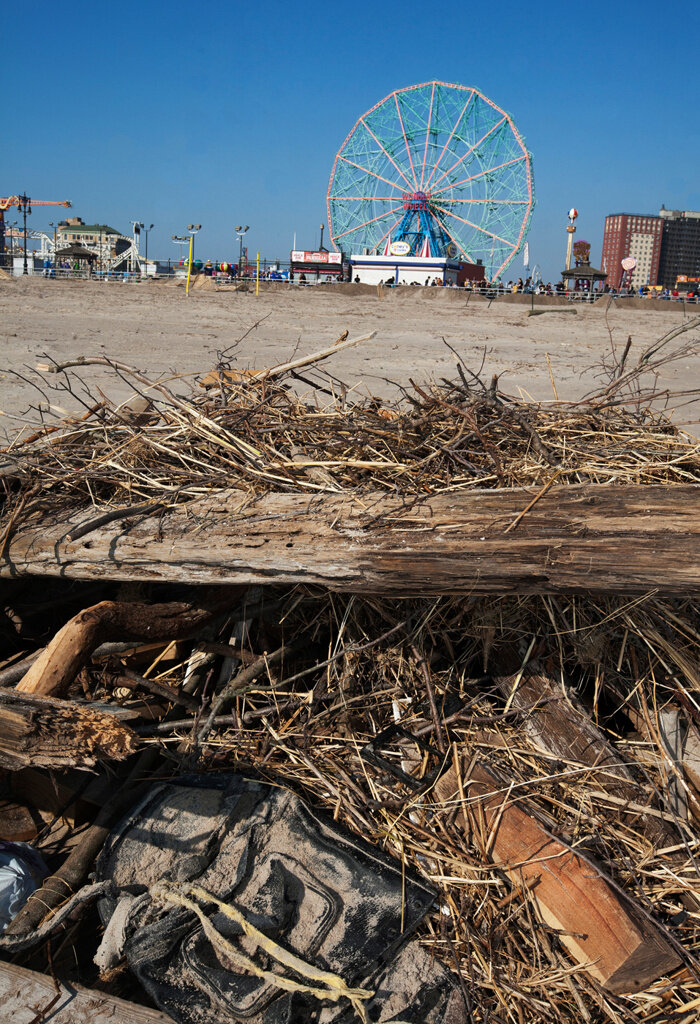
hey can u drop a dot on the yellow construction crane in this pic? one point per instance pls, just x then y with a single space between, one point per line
24 205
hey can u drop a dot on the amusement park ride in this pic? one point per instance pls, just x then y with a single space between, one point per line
440 170
24 205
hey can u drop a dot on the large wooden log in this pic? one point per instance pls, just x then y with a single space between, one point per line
623 540
619 948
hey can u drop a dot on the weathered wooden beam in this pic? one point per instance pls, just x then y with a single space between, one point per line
623 951
24 994
622 540
41 732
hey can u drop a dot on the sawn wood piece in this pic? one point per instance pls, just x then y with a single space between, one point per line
621 950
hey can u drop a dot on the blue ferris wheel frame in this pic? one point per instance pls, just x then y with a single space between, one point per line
454 171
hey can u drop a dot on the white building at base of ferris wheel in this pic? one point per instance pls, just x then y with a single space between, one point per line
403 270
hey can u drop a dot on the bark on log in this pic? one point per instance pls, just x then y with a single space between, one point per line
44 733
623 540
59 663
623 951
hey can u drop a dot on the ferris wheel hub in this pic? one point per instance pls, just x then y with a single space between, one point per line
416 201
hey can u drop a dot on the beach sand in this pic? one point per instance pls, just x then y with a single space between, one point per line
154 327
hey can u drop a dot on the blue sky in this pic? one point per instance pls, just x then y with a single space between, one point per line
228 113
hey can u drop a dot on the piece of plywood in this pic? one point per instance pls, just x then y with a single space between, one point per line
23 994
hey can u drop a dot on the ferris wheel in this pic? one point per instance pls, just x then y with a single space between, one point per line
440 170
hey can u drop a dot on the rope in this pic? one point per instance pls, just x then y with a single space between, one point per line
333 986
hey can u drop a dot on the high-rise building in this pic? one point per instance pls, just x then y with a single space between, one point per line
680 247
632 234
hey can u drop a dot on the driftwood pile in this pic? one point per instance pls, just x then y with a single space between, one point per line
525 736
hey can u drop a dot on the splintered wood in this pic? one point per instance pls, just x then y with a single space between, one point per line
42 732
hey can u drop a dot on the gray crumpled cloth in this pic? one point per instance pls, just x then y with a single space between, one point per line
313 888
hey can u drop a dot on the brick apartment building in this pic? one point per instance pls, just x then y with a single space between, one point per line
665 246
632 234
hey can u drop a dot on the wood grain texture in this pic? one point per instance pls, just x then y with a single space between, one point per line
600 930
24 993
592 538
43 733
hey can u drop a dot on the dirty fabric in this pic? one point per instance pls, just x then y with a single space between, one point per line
326 896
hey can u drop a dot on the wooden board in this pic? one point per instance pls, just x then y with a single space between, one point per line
24 993
623 540
623 952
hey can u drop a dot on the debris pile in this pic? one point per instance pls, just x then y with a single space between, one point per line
323 801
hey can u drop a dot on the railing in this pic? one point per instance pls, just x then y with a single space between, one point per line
248 276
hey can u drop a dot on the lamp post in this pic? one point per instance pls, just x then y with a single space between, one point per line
53 225
24 205
145 231
571 231
137 224
240 231
193 229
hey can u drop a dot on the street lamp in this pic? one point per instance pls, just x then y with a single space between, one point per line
24 205
240 231
55 246
145 231
193 229
139 226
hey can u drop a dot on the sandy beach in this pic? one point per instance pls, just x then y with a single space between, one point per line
153 326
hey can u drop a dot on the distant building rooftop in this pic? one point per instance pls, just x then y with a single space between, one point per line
93 229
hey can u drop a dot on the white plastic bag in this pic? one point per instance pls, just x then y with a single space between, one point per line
21 872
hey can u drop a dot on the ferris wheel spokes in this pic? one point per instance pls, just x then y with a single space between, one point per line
366 222
427 136
450 136
489 170
405 139
470 150
373 173
471 224
390 158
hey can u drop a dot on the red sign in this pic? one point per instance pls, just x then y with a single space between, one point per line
416 201
301 256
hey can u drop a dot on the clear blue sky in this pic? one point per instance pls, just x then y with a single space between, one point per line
223 113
